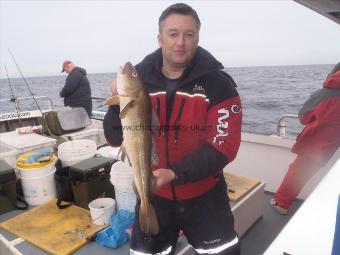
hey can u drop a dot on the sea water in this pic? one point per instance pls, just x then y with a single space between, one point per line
267 93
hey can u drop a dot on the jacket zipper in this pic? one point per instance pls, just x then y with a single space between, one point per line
178 120
158 103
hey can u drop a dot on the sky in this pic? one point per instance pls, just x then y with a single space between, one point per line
102 35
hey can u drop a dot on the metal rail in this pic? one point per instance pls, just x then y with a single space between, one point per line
281 125
18 99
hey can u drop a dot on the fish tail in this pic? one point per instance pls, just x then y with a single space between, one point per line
148 219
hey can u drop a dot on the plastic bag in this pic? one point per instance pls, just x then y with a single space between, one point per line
116 234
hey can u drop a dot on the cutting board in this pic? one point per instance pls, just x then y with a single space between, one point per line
238 186
56 231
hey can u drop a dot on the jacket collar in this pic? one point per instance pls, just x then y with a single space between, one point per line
333 81
203 62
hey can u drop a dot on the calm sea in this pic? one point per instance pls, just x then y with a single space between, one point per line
267 93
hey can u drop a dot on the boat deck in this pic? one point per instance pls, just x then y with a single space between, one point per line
254 241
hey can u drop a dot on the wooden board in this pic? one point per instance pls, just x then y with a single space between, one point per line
56 231
238 186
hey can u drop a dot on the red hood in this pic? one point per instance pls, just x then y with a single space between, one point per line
333 81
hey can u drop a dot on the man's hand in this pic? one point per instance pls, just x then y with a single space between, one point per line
163 176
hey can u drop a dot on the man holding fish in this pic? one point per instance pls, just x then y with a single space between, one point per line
180 117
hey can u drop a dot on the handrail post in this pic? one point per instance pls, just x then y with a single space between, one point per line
281 125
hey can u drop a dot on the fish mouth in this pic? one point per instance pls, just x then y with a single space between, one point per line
128 68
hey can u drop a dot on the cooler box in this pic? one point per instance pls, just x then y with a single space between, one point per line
90 179
23 143
8 193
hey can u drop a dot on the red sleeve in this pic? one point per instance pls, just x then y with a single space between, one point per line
225 133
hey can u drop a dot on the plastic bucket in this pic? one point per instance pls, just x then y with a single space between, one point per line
125 200
72 152
101 210
122 179
37 180
122 176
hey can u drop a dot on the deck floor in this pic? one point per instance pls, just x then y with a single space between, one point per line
257 239
265 230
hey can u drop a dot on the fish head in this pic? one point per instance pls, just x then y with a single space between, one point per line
128 81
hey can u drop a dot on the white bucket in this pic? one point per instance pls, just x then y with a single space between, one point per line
122 176
101 210
122 179
38 182
72 152
125 200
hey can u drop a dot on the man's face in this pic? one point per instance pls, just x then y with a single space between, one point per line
178 39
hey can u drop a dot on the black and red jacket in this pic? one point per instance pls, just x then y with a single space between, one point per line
200 123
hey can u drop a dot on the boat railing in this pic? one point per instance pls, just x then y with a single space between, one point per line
281 125
17 101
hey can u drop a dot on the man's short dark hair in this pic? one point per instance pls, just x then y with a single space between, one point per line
179 8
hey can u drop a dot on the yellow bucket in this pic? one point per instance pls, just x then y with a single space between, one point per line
37 179
23 164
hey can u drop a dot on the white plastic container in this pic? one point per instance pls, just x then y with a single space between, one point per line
122 179
101 210
24 143
72 152
87 134
8 154
109 152
125 200
122 176
37 180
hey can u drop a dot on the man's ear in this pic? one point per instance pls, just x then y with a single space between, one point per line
159 38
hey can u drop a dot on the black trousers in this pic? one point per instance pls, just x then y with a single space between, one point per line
206 221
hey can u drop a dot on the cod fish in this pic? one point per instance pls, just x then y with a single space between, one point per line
136 116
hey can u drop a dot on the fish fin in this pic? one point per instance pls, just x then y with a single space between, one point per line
155 123
114 100
125 103
124 155
122 152
148 221
154 154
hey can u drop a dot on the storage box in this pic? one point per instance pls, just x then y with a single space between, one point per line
87 133
90 179
8 154
8 194
23 143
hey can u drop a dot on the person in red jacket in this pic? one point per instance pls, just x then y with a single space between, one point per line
200 115
317 142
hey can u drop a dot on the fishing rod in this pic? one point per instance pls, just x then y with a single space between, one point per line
13 98
29 89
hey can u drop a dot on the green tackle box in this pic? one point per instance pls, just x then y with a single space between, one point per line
90 179
8 193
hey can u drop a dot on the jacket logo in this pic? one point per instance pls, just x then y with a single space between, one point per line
235 108
198 89
222 125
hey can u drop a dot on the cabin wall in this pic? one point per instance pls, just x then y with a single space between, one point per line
267 158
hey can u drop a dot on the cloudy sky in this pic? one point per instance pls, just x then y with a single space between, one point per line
101 35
